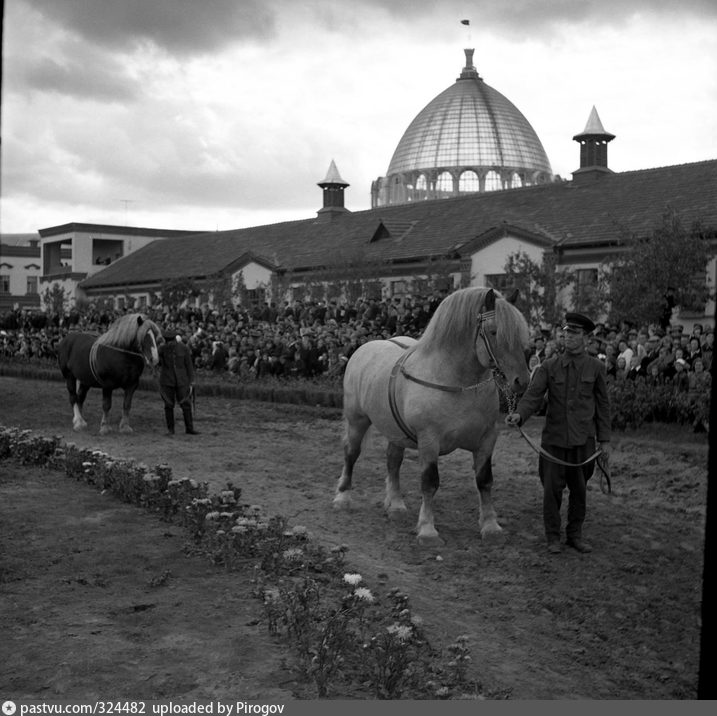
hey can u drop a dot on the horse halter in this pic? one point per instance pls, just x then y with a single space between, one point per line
498 373
480 333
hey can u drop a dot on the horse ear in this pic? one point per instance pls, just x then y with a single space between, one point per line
140 320
489 302
513 296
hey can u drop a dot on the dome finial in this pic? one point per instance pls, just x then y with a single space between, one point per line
469 71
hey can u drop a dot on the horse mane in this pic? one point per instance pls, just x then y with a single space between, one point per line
453 325
127 331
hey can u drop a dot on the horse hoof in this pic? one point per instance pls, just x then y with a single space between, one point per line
104 430
492 533
79 427
126 430
342 501
395 509
429 540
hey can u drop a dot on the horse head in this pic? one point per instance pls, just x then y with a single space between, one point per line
502 339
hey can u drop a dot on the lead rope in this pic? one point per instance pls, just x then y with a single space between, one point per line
601 460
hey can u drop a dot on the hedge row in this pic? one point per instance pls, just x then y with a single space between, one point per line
632 403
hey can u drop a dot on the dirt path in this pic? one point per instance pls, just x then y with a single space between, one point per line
622 622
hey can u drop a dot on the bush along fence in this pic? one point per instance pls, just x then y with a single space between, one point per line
345 639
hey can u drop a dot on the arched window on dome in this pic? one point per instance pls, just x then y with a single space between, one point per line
421 187
492 181
444 185
468 182
515 181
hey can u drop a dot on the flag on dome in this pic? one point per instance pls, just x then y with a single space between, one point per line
465 22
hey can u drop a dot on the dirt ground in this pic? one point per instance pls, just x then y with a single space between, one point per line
99 599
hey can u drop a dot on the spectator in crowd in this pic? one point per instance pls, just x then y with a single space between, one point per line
680 379
335 330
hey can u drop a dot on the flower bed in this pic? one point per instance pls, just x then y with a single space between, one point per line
345 638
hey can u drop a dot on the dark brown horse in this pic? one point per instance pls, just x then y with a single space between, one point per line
112 360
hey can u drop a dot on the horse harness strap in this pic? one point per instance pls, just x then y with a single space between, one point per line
93 359
399 368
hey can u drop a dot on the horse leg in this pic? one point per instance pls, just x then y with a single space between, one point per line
394 501
430 481
124 425
105 426
355 431
488 521
78 393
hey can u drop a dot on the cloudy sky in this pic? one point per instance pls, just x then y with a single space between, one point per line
218 114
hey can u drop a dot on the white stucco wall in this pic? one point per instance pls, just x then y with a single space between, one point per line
254 275
492 258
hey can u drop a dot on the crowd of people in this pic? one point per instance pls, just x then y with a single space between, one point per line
316 338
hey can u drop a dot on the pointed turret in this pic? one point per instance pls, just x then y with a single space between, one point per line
593 147
333 186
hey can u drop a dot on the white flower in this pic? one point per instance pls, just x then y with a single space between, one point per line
364 594
352 579
239 529
402 632
293 553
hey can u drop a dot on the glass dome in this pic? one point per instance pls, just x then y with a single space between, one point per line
469 138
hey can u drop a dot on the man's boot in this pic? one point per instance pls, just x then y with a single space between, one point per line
188 423
169 419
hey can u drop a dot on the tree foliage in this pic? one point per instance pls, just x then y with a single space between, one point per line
672 256
55 299
176 291
539 286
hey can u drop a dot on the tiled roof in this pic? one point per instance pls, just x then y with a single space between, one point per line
573 214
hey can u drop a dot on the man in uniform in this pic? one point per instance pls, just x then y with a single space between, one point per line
578 411
176 381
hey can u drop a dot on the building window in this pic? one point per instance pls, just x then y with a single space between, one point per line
587 280
141 302
492 181
255 296
468 182
4 283
32 285
502 282
398 288
121 303
444 184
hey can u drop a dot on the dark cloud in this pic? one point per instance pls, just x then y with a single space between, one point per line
526 16
179 26
186 27
102 79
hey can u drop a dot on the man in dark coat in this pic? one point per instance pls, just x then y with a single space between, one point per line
176 381
578 411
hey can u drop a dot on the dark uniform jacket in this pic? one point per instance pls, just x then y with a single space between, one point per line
176 368
578 405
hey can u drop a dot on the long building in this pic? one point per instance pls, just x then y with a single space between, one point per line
468 185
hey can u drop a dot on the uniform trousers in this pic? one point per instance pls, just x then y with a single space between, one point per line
555 478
